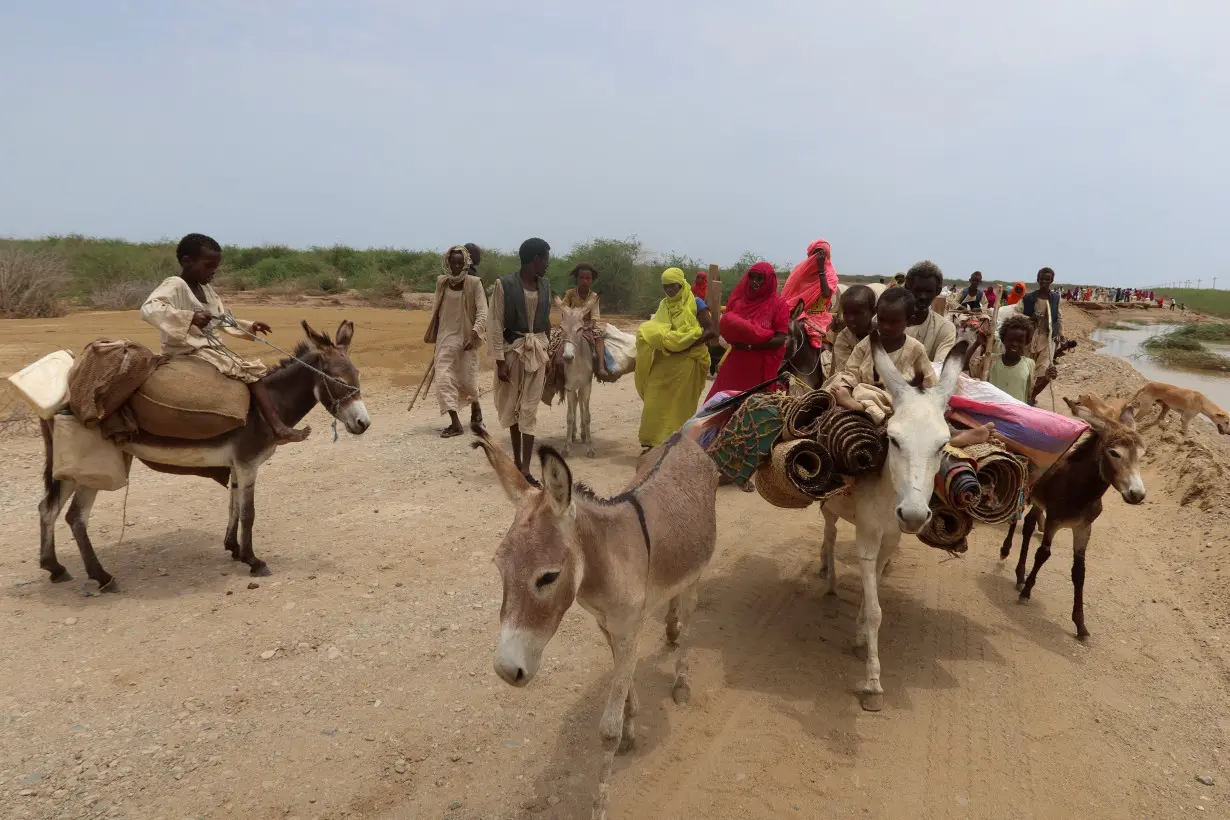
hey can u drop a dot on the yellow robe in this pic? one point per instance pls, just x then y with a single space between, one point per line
670 372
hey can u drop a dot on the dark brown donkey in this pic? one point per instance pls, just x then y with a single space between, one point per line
295 387
801 358
1070 497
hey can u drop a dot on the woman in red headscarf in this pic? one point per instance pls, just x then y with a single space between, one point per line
814 280
755 325
700 288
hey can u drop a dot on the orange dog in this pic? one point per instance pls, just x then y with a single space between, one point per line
1188 403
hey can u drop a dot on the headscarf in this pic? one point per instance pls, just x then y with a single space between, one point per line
762 307
457 279
674 327
804 281
700 288
1018 291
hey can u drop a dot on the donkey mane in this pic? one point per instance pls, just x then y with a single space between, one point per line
628 495
302 352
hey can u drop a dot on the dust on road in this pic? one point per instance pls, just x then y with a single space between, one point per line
379 700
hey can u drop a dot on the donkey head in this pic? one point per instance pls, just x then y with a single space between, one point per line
338 392
572 321
917 433
801 358
1120 449
539 561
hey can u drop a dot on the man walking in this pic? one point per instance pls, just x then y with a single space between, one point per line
1042 306
458 322
519 328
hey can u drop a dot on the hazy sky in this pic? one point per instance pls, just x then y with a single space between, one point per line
1089 135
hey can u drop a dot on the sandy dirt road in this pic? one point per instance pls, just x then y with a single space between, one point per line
379 699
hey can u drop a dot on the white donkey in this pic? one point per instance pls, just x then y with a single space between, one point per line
896 500
578 372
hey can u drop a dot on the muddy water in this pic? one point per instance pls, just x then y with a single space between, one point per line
1128 345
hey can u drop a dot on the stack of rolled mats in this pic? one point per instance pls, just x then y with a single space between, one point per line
957 490
823 448
1002 477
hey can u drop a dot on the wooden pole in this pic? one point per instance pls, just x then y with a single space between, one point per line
425 384
993 342
715 291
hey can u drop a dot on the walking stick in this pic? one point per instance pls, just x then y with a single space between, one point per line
991 343
425 384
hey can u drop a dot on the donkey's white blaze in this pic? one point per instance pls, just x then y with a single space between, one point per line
517 654
354 416
570 351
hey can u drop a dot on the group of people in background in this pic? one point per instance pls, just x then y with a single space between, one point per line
741 346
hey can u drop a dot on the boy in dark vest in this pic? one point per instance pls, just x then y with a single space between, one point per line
519 324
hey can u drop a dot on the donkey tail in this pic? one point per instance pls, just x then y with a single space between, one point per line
45 428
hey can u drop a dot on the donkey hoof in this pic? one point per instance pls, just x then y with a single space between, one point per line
260 570
111 585
682 694
1004 553
871 702
626 743
1020 585
60 576
1082 634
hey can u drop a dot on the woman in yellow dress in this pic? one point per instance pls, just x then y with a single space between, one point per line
672 362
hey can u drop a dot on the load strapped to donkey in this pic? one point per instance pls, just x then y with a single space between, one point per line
803 447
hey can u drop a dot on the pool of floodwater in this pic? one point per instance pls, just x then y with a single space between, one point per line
1128 345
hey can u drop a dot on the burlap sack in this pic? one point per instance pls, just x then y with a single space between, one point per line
81 454
187 398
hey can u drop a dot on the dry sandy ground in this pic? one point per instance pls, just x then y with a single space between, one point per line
379 700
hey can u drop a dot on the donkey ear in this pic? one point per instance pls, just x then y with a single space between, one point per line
950 375
506 471
1127 416
796 311
320 340
345 332
556 481
558 302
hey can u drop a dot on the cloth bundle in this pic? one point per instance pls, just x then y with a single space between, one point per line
747 438
1002 477
948 528
101 381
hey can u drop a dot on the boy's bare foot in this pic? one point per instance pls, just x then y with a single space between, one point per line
978 435
288 435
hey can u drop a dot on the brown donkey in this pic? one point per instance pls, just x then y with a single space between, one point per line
620 558
1070 497
233 458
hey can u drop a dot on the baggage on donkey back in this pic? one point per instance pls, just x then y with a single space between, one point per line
187 398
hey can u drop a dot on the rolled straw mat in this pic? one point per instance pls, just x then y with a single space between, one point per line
775 488
804 414
948 528
858 445
956 483
1003 477
807 466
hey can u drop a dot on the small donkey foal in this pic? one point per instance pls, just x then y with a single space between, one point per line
620 558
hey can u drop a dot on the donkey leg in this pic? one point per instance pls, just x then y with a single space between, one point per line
681 693
1005 549
1027 532
617 718
586 393
79 521
1080 540
869 565
571 422
231 542
828 547
56 495
1044 552
672 621
247 516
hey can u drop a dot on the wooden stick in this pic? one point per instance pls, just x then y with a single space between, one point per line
994 340
424 385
